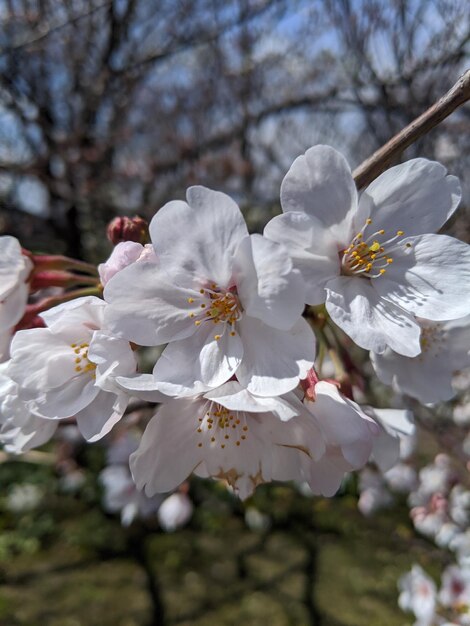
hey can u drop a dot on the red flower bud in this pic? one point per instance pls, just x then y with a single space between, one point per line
128 229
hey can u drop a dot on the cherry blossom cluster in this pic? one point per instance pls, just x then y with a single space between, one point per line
450 606
235 319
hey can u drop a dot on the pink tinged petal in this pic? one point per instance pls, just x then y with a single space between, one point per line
199 361
320 184
69 399
146 307
371 322
416 197
268 286
430 278
125 253
314 253
199 238
168 451
98 418
274 360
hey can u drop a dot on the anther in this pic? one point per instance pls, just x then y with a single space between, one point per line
190 300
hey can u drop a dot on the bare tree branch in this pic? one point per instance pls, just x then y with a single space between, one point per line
382 158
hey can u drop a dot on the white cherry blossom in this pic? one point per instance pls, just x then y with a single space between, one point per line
69 368
231 434
372 261
418 595
225 302
445 349
175 512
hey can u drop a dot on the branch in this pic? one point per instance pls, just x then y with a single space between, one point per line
384 156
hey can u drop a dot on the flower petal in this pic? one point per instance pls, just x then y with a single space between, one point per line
233 396
69 399
274 360
416 197
320 184
146 307
98 418
313 252
268 286
430 278
168 451
199 361
13 306
199 238
370 321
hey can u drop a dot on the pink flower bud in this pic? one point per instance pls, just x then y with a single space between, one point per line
127 229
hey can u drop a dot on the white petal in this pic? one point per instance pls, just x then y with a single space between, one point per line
146 307
201 359
13 306
416 197
98 418
80 313
29 367
14 266
395 420
370 321
268 286
427 377
274 360
341 420
320 183
199 239
69 399
430 279
326 475
33 432
168 450
233 396
143 386
113 357
386 450
311 248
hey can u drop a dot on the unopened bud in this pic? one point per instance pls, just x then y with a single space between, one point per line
128 229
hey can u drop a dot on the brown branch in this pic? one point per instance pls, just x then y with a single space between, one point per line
384 156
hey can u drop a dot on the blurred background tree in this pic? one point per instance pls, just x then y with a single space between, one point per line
117 106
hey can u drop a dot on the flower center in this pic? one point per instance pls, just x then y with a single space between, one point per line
369 256
216 305
220 427
82 362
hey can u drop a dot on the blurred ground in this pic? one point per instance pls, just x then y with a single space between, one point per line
65 563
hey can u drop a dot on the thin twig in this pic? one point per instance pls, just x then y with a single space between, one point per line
384 156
